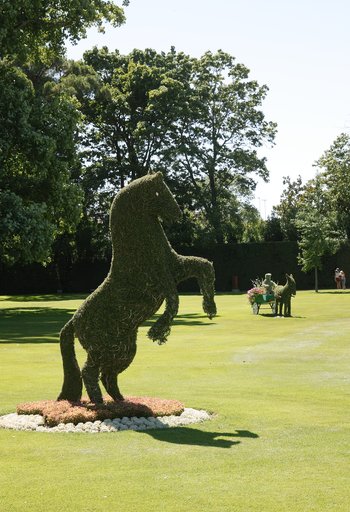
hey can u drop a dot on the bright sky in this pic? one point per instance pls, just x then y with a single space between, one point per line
298 48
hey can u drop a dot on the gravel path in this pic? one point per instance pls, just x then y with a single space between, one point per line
35 422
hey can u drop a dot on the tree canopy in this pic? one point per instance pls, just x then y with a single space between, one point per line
39 200
317 213
37 152
74 133
38 29
288 207
221 126
316 223
197 120
334 166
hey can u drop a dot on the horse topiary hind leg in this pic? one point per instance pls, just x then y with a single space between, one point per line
114 362
287 307
279 307
109 380
72 383
90 374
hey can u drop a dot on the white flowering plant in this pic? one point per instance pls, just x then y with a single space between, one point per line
256 293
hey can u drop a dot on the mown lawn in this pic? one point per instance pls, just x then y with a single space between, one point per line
280 389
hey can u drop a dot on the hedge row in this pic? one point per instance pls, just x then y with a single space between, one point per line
235 265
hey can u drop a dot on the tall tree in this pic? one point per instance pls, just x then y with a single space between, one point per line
272 229
130 104
38 29
198 120
129 111
253 224
286 211
335 169
221 126
39 200
317 226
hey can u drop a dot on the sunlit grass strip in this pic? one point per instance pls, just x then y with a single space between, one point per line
278 442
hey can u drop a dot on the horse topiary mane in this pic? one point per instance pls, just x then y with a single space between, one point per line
144 272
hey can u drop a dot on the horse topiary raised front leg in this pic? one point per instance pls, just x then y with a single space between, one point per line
203 271
160 330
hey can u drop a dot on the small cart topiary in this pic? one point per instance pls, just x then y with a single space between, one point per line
258 296
262 299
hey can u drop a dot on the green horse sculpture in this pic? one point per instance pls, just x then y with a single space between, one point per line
283 296
144 273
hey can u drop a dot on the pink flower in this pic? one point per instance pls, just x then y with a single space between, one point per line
254 292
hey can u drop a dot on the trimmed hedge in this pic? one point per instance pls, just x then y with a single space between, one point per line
246 261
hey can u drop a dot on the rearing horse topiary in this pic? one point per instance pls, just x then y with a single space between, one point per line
283 296
144 272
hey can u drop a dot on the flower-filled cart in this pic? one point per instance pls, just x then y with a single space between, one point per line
258 297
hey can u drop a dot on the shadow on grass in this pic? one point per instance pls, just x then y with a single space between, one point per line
271 315
335 292
32 325
44 298
42 325
185 319
193 436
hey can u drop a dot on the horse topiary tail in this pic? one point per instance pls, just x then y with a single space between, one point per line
72 383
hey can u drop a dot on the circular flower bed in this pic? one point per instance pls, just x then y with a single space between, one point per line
36 422
134 413
57 412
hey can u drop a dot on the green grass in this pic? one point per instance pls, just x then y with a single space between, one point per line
280 388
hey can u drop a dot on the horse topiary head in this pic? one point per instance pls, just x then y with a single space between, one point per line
159 201
145 197
292 284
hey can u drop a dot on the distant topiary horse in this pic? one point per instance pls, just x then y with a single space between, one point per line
144 272
283 296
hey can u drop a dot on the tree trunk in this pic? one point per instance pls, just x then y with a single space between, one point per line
58 277
316 280
215 217
216 223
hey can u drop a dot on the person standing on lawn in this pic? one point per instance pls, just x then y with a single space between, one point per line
337 278
342 279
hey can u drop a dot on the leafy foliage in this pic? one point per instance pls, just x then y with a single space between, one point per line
24 230
198 120
288 207
335 169
214 157
318 229
272 231
37 151
38 29
39 117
